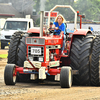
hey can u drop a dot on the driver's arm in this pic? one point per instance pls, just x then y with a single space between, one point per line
62 32
53 26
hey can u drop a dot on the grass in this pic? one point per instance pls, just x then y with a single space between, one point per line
3 55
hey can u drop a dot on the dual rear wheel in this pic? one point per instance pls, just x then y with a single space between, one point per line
84 57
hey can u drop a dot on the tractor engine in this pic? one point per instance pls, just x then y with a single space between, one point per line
43 49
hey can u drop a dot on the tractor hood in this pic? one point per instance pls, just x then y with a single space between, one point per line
36 30
50 40
53 40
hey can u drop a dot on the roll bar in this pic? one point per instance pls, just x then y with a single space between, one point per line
64 6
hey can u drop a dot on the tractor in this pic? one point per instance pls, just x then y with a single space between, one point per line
37 56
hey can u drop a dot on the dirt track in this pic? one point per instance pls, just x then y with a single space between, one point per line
46 91
3 51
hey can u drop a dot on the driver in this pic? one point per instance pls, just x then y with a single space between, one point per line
51 24
59 24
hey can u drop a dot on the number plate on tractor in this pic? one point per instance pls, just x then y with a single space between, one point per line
36 51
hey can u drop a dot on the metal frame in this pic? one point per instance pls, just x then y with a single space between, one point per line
64 6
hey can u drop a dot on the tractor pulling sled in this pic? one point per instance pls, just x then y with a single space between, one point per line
33 57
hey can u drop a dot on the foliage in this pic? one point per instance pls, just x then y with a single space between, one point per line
91 8
38 22
37 5
88 7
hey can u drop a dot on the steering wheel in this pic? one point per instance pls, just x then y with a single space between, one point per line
52 30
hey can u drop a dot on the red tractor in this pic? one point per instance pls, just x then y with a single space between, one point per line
33 57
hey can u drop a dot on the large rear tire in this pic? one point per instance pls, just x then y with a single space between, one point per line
21 57
80 59
95 64
13 47
17 53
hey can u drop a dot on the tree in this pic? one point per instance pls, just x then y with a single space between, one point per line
88 7
37 5
91 8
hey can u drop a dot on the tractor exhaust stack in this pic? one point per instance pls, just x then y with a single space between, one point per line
42 9
41 23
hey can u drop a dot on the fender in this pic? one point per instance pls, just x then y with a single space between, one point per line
82 32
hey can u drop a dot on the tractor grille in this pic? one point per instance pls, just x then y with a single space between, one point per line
38 41
36 57
7 37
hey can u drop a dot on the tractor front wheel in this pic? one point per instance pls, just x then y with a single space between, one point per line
9 77
66 77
